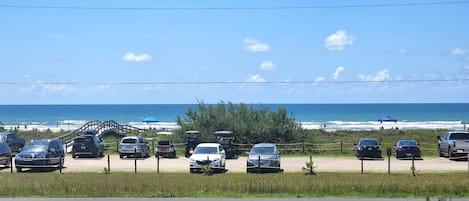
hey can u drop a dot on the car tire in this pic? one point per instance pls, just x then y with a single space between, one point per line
450 155
19 169
121 156
440 154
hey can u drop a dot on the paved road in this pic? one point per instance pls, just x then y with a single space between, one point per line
219 199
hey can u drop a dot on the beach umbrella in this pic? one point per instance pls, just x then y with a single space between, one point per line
150 120
387 119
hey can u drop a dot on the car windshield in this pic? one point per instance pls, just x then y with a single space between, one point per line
35 147
262 151
129 141
368 142
205 150
459 136
407 143
83 140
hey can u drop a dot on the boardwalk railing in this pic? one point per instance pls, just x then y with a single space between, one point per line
102 128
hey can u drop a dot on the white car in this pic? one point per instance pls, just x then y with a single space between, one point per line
211 154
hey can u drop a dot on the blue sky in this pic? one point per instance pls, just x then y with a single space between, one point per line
384 54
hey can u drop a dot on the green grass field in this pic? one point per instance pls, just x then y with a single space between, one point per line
233 185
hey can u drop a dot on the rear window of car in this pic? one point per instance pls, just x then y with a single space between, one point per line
408 143
83 140
163 143
459 136
129 141
368 142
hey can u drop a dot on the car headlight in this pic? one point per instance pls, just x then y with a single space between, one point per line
43 155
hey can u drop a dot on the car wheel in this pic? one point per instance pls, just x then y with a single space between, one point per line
121 156
440 154
450 155
62 162
19 169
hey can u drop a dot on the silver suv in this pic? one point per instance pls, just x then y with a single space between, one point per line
133 146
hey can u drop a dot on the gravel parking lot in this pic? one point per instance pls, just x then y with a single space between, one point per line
289 164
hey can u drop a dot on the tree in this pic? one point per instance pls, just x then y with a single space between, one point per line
250 124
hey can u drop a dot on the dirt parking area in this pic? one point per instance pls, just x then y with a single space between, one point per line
289 164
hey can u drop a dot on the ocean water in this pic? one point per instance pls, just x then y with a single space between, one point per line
311 116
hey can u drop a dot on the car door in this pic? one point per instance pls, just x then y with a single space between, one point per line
444 143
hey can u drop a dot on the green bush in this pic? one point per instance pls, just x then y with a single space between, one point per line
249 124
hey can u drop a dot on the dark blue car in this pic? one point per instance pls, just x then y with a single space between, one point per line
40 153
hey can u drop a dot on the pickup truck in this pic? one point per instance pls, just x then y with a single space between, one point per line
12 140
454 143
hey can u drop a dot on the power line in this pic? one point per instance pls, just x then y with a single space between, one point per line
238 8
238 82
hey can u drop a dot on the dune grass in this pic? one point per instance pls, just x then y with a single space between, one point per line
233 185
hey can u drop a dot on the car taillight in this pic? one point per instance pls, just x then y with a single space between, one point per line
417 149
191 150
399 148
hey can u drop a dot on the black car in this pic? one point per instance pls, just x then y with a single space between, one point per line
368 148
5 154
407 149
88 145
40 153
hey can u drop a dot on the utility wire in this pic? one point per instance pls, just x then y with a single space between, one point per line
239 8
236 82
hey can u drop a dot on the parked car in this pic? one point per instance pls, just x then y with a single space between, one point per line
40 153
407 149
12 140
88 145
211 154
262 157
165 148
131 145
454 143
5 154
368 148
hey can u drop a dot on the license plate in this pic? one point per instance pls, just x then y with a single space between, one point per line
163 149
459 150
83 147
408 154
370 149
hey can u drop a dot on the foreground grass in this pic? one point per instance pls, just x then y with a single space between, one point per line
233 185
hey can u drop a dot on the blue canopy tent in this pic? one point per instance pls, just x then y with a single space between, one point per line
149 120
387 119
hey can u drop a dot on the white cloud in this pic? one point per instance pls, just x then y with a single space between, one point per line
338 41
381 75
458 51
253 45
318 80
338 71
255 78
402 51
466 67
131 57
45 88
267 65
